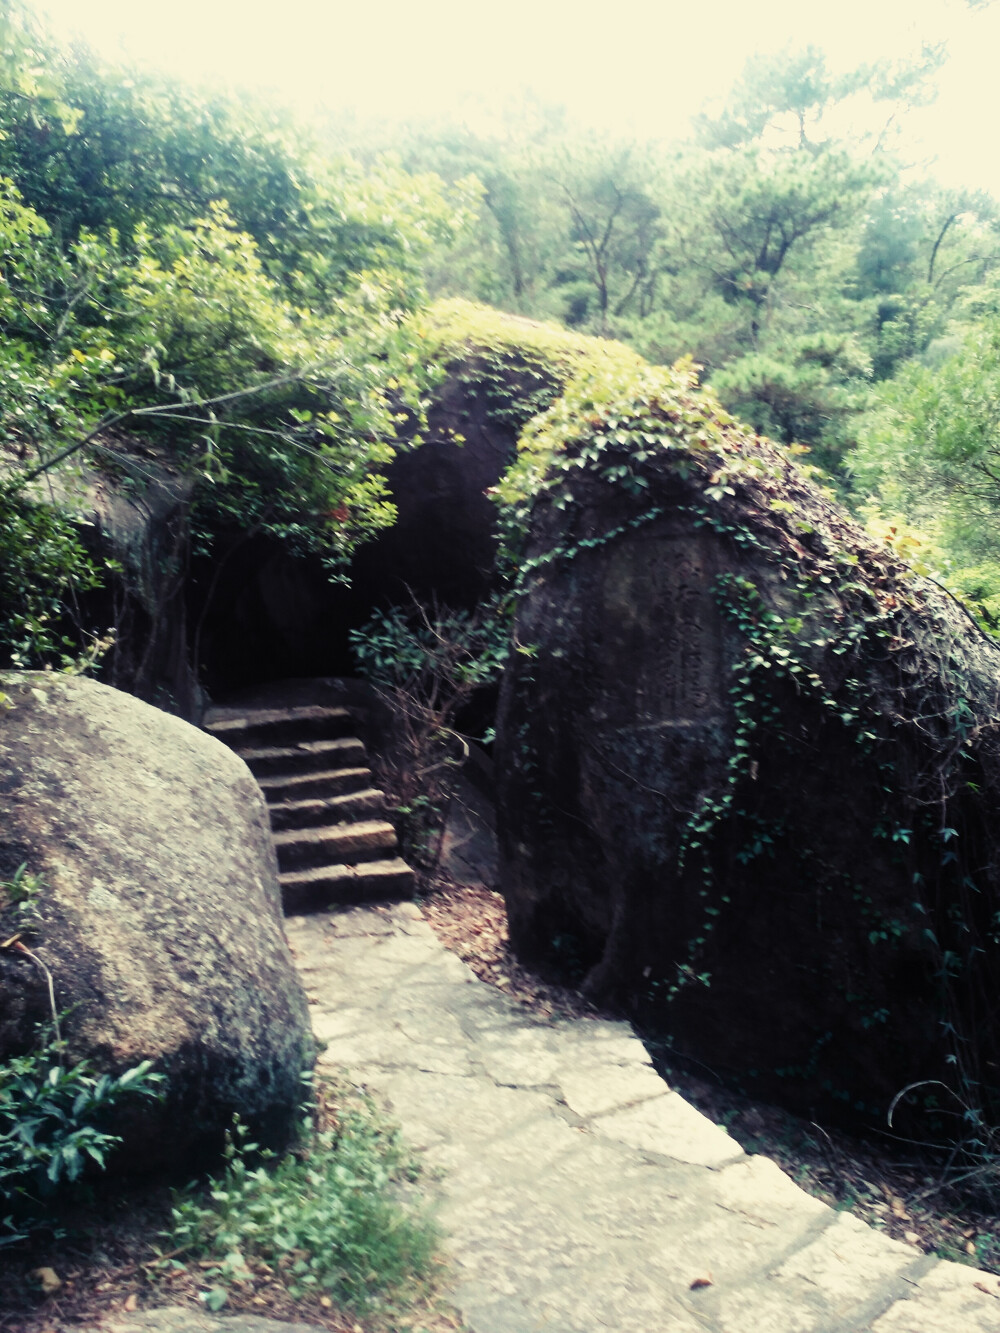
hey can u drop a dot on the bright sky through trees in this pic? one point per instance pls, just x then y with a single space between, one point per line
633 63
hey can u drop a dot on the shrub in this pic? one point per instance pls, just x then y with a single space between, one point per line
51 1118
329 1217
44 569
426 663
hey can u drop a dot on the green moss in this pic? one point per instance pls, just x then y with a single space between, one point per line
455 329
520 366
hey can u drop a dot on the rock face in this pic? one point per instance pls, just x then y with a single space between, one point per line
618 723
148 534
135 513
747 768
443 542
159 918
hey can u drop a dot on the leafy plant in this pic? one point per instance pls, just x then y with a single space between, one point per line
44 571
52 1119
426 663
328 1217
929 451
19 894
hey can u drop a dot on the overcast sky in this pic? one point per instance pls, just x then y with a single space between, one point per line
622 64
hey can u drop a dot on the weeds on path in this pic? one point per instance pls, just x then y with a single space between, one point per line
334 1234
334 1220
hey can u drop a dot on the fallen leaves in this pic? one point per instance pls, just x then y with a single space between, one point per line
471 921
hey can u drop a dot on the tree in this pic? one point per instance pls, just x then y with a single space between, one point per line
922 247
507 252
285 418
614 226
258 344
142 150
790 100
814 249
809 387
751 217
762 245
27 71
930 452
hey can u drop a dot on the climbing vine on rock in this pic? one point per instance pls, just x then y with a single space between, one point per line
830 803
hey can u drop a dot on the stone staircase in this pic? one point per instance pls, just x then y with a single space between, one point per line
331 834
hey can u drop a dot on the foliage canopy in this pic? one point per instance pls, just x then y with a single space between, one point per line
194 272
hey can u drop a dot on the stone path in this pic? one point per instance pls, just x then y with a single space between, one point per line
332 835
579 1193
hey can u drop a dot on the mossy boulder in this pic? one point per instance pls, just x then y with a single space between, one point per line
497 372
158 918
748 761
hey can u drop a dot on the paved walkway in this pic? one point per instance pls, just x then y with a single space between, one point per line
581 1194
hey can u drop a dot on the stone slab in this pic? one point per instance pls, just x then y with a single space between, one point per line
841 1279
949 1299
580 1193
670 1126
590 1090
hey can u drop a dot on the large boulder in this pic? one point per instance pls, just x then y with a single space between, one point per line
498 371
748 764
133 511
159 917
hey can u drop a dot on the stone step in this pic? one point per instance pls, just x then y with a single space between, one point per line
347 844
326 886
325 784
333 842
267 727
315 811
306 757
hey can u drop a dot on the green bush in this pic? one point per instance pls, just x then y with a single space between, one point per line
44 569
330 1217
51 1118
426 663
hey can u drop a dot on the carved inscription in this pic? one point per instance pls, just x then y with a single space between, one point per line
657 634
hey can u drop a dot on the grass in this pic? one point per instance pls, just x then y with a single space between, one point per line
332 1234
335 1218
